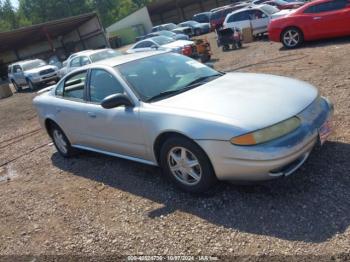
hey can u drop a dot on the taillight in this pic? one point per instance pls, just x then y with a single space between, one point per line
187 50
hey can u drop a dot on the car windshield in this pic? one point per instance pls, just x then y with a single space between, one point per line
33 64
157 77
170 26
269 9
167 33
105 54
162 40
281 2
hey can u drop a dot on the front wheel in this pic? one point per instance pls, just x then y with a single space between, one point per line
292 38
31 85
187 165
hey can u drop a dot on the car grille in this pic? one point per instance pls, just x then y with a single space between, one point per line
47 71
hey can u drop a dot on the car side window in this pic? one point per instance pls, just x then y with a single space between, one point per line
327 7
75 62
74 86
84 60
103 84
143 45
16 69
256 14
59 89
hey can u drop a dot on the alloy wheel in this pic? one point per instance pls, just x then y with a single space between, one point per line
60 141
184 166
291 38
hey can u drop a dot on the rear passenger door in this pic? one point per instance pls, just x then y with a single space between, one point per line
328 19
239 20
69 107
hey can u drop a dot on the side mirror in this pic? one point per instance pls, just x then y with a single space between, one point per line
116 100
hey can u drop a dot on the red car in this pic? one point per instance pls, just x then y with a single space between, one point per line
316 20
218 16
281 4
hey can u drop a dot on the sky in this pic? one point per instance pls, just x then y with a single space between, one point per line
14 3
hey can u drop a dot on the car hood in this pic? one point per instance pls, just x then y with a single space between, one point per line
178 43
247 101
39 69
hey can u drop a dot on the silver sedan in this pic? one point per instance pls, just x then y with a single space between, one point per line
199 125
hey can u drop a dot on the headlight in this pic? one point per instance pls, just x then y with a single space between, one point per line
267 134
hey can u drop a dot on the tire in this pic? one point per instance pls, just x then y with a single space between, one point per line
61 141
31 85
17 87
194 173
225 48
292 37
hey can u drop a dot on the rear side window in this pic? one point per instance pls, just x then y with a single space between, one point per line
144 44
242 16
327 7
74 86
75 62
103 84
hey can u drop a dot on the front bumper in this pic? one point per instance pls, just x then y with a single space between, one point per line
280 157
45 78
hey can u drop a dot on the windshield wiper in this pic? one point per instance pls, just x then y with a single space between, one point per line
189 86
201 80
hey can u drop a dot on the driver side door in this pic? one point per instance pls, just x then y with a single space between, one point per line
117 130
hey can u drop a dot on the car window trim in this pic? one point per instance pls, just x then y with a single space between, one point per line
84 92
88 96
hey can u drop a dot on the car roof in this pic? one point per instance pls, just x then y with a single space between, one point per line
23 62
246 9
89 52
119 60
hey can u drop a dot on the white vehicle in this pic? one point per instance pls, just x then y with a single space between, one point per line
31 73
257 17
87 57
162 43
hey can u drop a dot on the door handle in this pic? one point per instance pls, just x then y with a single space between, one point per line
92 115
317 18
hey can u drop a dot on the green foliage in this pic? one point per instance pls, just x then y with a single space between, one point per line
39 11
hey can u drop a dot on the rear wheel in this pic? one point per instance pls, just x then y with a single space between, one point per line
60 141
292 38
187 165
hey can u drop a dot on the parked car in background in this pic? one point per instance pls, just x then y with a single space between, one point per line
183 30
197 124
315 20
90 56
217 18
168 34
31 73
257 17
163 43
281 4
197 28
53 60
202 17
167 27
63 70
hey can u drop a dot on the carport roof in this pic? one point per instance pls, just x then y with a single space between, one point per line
28 35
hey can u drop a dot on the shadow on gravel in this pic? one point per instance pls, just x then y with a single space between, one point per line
312 205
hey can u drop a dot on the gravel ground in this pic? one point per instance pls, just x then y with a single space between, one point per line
98 205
